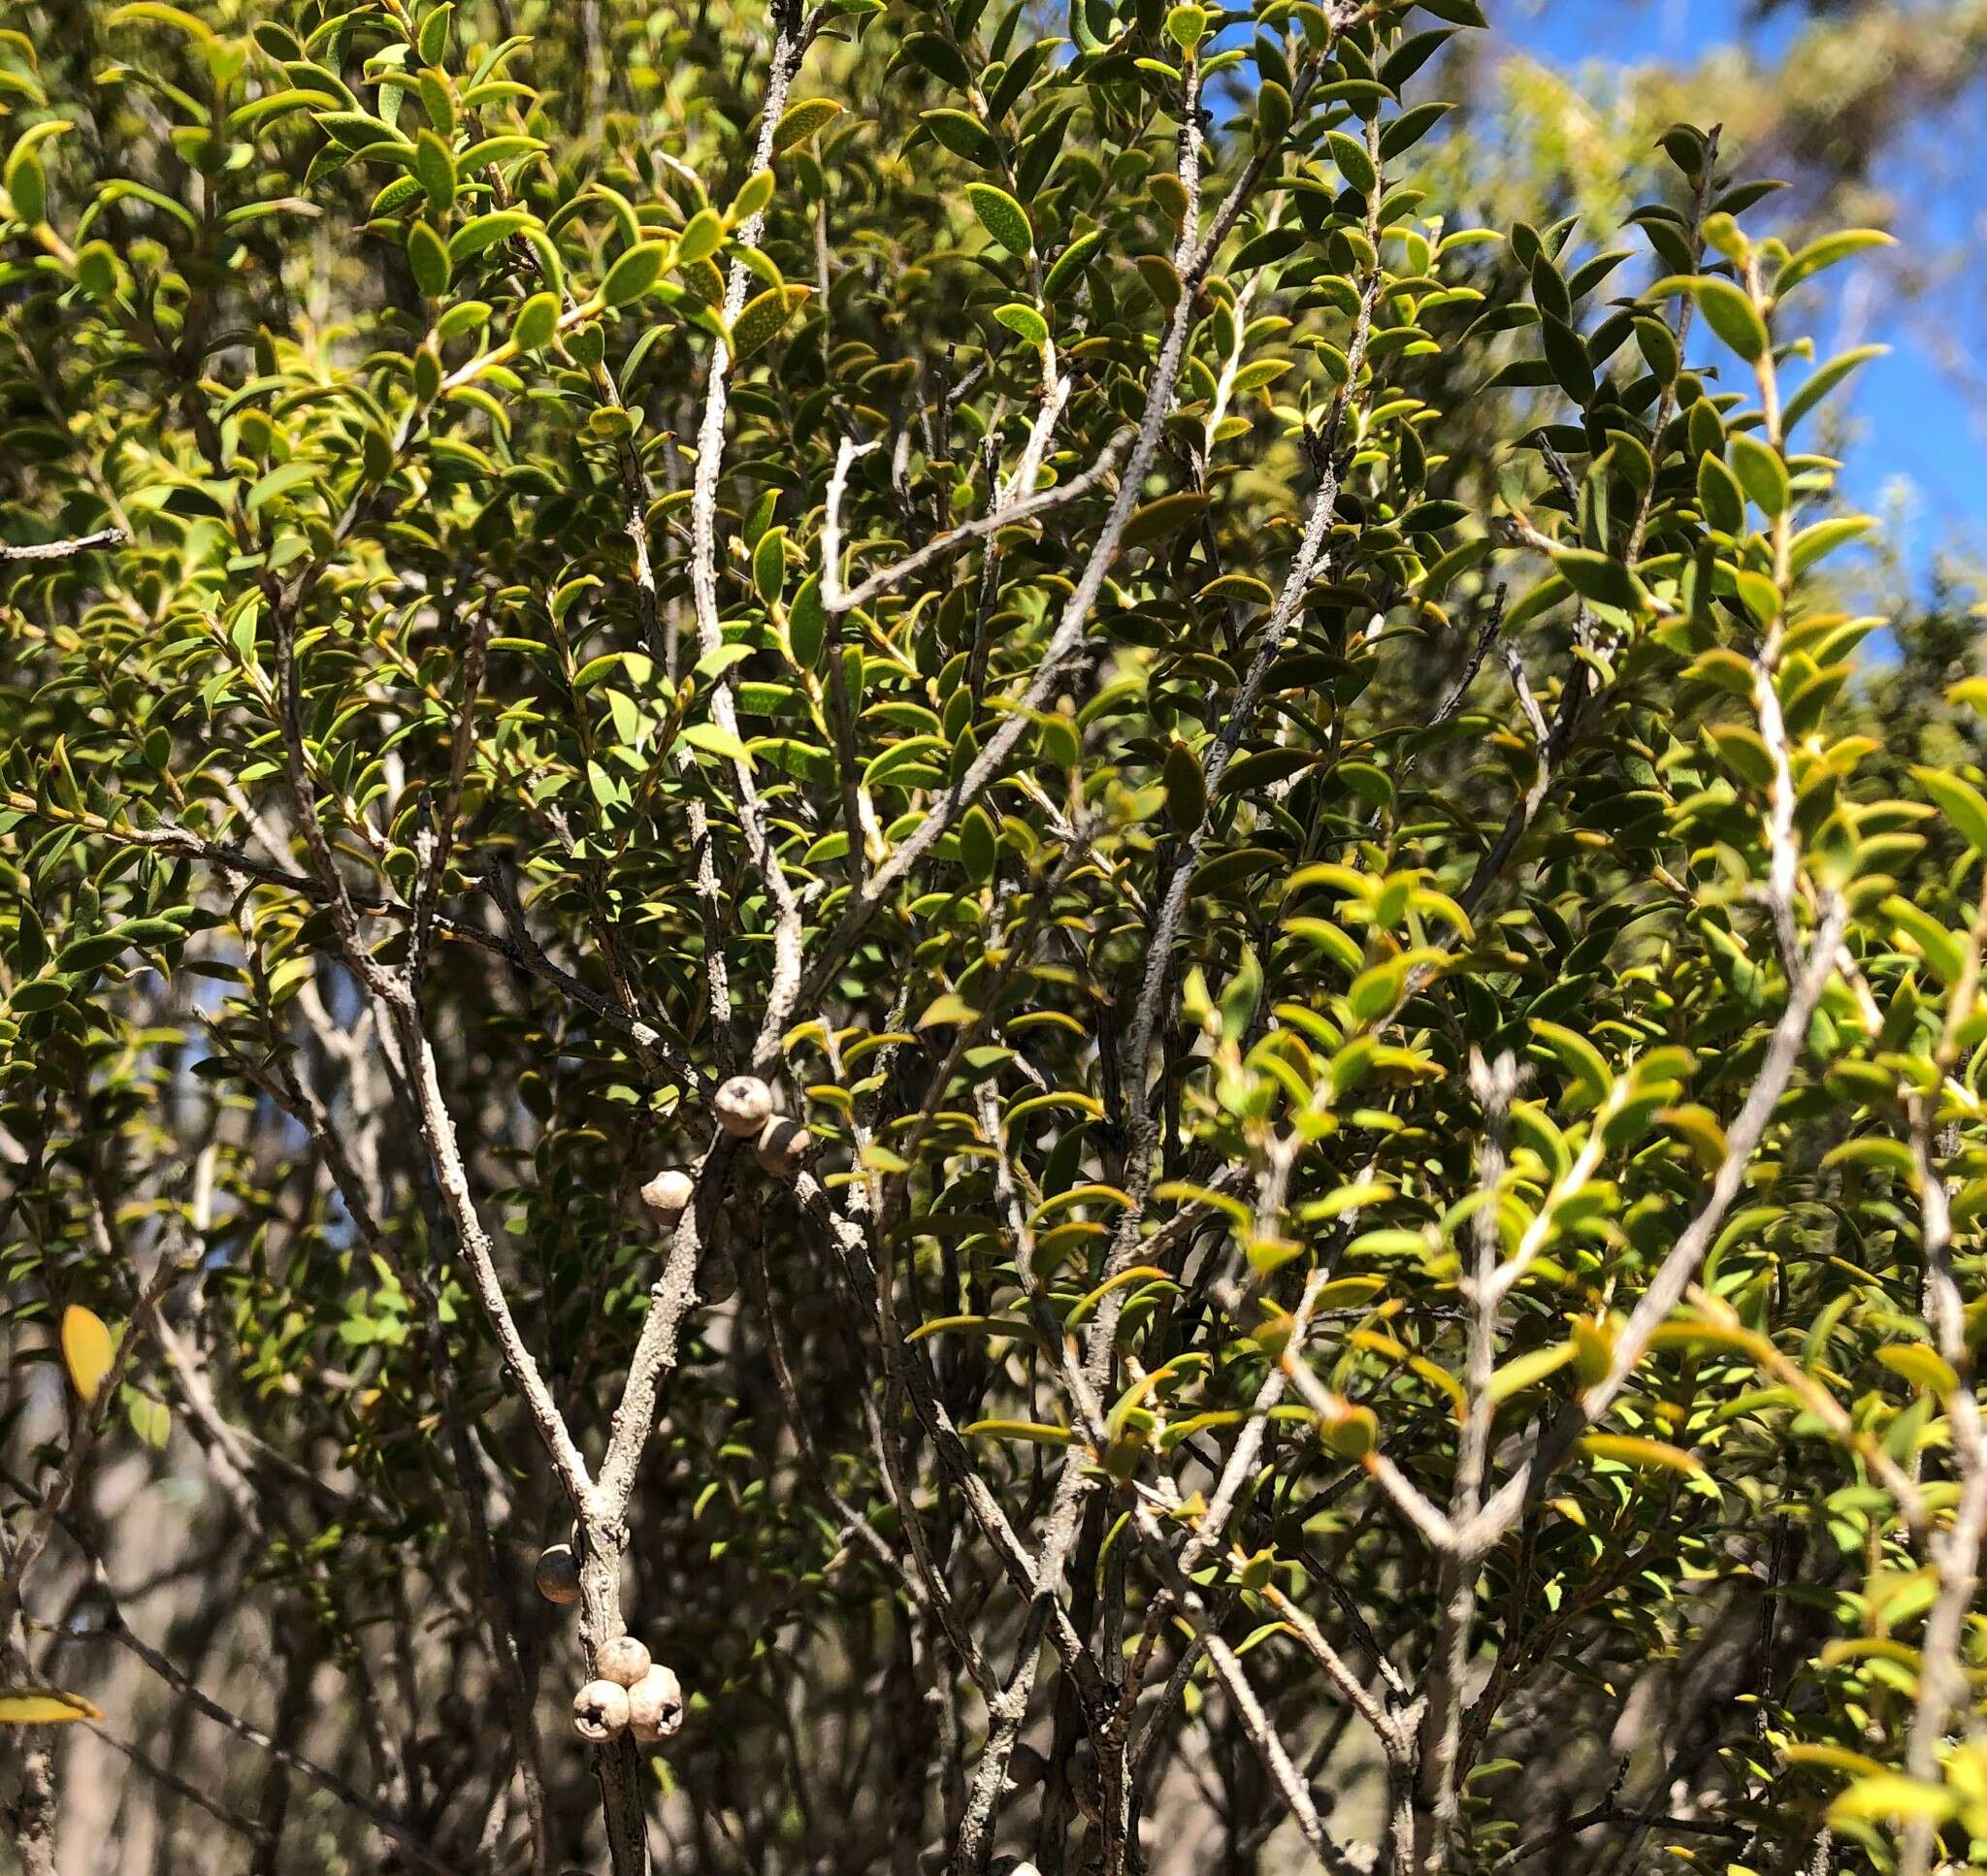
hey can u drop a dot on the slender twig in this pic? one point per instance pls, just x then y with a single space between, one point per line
62 550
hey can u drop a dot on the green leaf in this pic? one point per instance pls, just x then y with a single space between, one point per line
1273 244
1762 475
1942 948
1719 496
26 183
1163 516
1354 163
1018 1328
635 273
1409 128
357 130
1069 261
537 319
1892 1797
808 623
484 232
506 149
1578 1057
1528 1371
1729 313
434 168
1374 992
801 121
751 200
1878 1152
715 740
1823 380
1566 353
762 317
1186 784
769 566
1599 577
96 270
1024 322
433 39
1960 801
1002 218
1823 538
156 13
963 134
1826 252
1187 26
280 480
939 56
979 846
704 236
428 258
1352 1434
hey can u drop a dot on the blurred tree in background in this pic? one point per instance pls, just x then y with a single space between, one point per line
942 937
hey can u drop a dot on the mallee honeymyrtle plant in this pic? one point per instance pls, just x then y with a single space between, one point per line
919 954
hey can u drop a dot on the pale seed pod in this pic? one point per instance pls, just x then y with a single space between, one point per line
783 1147
669 1194
623 1659
557 1575
599 1710
655 1704
743 1105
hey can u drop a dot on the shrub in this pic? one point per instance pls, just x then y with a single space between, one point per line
1327 1097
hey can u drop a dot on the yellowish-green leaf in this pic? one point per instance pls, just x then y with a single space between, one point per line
1959 801
1137 1274
802 120
1002 218
1036 1432
763 316
1578 1056
1921 1366
1526 1371
1646 1455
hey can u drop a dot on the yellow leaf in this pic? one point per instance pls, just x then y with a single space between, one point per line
43 1706
1892 1796
1836 1757
1645 1453
86 1349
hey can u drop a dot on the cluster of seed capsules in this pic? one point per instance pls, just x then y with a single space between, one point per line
743 1106
630 1692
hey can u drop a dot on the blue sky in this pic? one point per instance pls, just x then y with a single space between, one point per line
1924 429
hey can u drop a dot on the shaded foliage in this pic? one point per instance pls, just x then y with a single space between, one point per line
1369 1251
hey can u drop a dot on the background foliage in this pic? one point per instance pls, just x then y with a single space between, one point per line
1243 699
